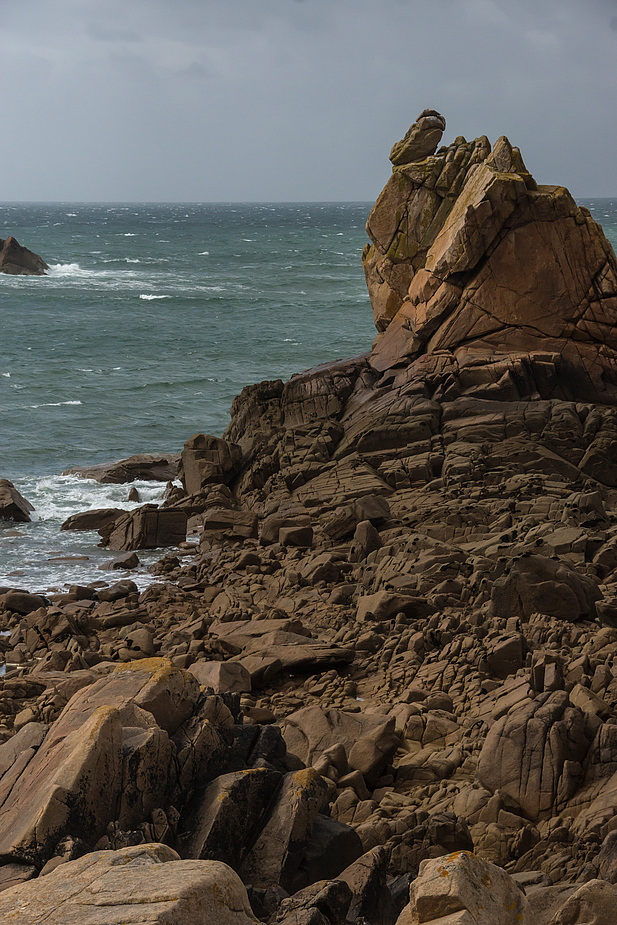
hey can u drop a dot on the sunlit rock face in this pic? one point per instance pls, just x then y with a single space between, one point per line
471 256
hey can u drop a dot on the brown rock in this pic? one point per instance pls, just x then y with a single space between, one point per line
13 506
147 527
207 460
459 883
222 676
277 852
421 140
368 739
145 884
19 261
535 754
92 520
147 466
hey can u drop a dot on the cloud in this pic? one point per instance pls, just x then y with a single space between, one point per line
294 99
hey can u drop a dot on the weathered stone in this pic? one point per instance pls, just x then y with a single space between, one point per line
461 889
222 676
277 851
421 140
368 739
535 754
13 506
223 820
19 261
592 904
147 527
142 885
207 460
92 520
146 466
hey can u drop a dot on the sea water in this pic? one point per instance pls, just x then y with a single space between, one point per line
151 319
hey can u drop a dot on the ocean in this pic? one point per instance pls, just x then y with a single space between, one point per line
151 319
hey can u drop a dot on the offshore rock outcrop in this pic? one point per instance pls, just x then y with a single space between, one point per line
19 261
393 641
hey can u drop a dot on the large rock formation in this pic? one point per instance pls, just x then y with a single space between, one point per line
471 256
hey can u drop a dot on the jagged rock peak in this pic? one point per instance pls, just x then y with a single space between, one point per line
469 254
421 140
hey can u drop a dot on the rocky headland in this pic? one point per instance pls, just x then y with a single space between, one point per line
378 685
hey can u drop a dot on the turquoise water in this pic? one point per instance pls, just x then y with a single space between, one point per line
151 320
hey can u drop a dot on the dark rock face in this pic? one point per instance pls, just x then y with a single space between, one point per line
19 261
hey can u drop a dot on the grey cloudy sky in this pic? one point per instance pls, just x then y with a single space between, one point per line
241 100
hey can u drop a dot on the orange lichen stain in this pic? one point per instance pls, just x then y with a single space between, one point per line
157 668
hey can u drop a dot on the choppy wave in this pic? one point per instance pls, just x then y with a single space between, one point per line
40 557
56 404
148 377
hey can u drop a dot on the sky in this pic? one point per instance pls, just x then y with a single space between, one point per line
294 100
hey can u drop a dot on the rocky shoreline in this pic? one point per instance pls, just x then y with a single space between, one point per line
379 685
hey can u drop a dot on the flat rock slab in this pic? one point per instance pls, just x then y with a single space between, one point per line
146 466
141 885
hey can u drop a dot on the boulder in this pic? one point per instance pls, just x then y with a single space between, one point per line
22 602
103 759
368 739
19 261
592 904
463 889
140 885
421 140
225 817
467 249
92 520
147 527
536 584
13 506
277 851
535 754
206 461
222 677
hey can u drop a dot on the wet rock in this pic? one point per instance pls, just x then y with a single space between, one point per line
19 261
147 466
13 506
92 520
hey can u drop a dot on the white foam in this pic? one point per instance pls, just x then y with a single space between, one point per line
6 375
56 404
204 253
149 298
